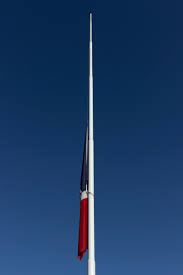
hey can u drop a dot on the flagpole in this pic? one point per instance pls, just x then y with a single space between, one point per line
91 233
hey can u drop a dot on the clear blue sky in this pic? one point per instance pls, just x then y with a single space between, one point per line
138 85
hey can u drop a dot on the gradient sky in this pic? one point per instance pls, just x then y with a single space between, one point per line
138 96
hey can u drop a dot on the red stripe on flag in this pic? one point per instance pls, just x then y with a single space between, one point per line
83 229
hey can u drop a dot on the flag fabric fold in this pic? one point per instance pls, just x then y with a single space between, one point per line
83 225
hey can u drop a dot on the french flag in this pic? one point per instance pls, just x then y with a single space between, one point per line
83 225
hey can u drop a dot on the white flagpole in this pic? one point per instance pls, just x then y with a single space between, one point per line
91 233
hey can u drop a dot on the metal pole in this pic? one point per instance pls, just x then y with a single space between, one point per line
91 233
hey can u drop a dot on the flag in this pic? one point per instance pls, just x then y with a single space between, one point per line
83 225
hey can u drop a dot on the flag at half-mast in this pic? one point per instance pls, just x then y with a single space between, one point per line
83 225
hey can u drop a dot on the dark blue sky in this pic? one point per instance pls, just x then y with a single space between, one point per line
138 89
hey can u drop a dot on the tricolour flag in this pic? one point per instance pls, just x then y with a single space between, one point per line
83 226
